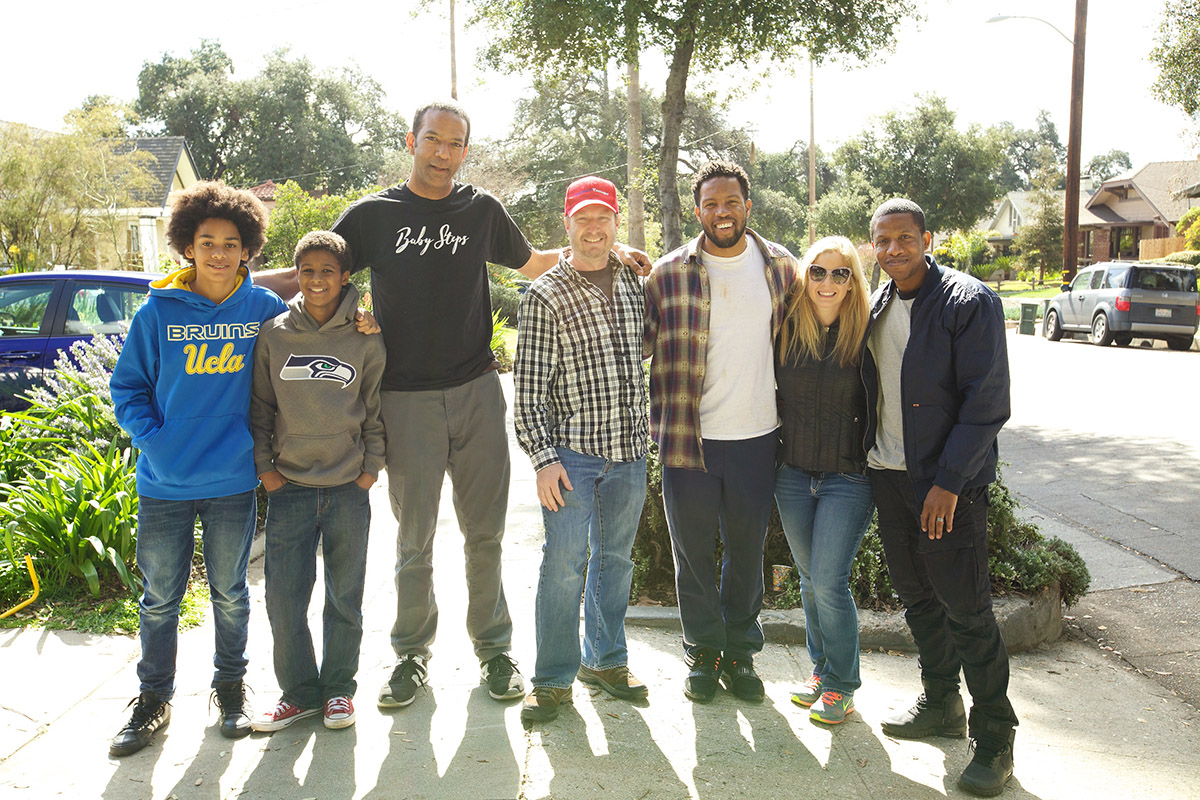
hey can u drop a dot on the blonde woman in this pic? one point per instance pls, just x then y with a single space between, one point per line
821 488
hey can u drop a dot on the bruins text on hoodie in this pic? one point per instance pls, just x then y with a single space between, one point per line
181 387
315 406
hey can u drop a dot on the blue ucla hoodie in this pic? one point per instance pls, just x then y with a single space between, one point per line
181 387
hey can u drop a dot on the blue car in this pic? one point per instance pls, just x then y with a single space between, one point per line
43 313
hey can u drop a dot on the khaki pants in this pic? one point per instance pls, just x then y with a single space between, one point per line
459 431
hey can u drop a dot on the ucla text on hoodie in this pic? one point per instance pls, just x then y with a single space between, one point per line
181 387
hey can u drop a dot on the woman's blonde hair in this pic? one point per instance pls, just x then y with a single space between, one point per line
802 334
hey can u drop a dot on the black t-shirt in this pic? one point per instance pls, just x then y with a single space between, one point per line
429 279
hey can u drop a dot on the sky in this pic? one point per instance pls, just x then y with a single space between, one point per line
987 72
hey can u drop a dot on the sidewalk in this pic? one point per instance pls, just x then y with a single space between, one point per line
1090 726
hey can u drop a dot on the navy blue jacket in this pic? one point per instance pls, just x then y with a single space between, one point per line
954 384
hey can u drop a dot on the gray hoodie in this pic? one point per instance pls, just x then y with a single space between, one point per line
314 410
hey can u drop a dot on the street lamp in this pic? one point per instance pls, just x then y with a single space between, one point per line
1071 212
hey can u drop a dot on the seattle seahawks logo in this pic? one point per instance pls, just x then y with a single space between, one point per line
317 368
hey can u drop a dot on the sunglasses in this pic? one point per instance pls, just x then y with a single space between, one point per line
818 274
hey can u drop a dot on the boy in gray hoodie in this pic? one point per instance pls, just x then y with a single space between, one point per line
318 448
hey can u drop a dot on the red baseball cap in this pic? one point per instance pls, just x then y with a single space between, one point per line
591 191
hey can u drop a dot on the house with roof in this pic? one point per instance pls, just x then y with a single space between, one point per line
172 169
1019 207
1141 204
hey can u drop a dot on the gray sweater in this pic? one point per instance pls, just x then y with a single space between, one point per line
314 411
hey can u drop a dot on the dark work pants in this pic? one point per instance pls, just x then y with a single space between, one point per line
946 591
731 498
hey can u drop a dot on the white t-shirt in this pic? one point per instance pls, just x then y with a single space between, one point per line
888 341
739 379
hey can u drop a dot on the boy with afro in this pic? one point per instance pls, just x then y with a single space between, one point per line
181 388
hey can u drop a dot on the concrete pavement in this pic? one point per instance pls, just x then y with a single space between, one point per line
1091 725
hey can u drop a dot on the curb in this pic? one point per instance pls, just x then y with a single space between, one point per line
1025 623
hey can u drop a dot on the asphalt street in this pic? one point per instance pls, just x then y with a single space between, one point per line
1103 447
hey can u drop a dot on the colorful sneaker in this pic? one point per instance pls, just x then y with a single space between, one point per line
401 687
808 693
339 712
282 715
543 703
833 707
503 680
149 716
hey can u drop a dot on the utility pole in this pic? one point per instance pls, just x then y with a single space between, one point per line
1071 221
453 64
812 156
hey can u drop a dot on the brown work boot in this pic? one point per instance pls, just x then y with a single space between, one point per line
542 704
617 681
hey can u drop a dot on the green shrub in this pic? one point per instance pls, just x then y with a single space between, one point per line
76 397
499 349
76 521
1184 257
505 301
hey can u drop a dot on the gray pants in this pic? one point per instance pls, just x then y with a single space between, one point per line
459 431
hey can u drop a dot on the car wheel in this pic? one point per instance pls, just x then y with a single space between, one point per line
1180 343
1101 335
1054 329
1123 339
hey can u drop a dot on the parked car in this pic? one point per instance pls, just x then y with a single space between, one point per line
42 313
1118 300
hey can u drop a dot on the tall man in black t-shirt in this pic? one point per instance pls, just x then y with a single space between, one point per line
427 242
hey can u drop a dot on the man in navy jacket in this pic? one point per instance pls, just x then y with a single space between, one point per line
942 395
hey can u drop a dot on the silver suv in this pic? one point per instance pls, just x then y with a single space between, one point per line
1117 300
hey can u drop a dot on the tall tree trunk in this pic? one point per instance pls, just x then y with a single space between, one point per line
673 106
633 143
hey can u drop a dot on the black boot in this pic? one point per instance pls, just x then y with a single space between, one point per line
149 715
230 697
945 717
990 768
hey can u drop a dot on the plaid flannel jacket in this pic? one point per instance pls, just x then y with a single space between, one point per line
676 339
580 383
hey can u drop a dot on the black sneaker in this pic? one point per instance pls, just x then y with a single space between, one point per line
503 680
739 677
946 718
701 684
401 687
149 715
988 771
230 698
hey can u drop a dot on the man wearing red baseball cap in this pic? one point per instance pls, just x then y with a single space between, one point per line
581 417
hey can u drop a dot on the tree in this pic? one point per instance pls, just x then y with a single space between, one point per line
1177 55
1040 238
951 174
846 209
560 36
296 213
59 193
1029 152
324 129
1105 166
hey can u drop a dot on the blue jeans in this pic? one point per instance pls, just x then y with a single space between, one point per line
594 530
297 518
164 554
824 518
